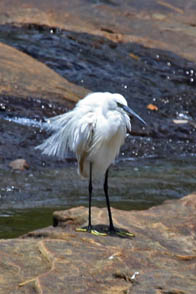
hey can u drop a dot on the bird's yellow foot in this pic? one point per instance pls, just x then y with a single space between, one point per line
102 231
91 231
121 233
125 234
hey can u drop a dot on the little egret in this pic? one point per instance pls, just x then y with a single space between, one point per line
95 130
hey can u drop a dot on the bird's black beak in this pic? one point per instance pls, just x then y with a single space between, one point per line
132 113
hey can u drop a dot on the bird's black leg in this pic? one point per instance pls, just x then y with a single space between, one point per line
111 226
89 227
112 230
90 189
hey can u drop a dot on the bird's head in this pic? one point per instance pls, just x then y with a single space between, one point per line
121 104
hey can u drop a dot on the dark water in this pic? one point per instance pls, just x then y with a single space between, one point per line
29 199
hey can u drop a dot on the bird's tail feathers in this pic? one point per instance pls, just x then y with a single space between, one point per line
58 143
70 131
55 145
59 121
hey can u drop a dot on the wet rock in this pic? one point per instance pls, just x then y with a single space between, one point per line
160 259
19 164
155 83
158 84
156 24
23 76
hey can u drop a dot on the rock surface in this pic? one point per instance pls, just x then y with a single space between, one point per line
160 259
68 49
19 164
157 24
22 75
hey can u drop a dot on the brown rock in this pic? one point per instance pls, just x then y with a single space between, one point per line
21 75
159 24
160 259
19 164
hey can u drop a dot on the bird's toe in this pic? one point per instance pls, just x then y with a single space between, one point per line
121 233
125 234
91 231
97 233
81 230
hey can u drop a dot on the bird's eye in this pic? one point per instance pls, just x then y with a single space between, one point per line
119 104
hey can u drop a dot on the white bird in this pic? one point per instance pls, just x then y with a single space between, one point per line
95 130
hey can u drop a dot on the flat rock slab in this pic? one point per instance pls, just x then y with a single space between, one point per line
161 258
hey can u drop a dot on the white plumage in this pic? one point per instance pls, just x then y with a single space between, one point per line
95 129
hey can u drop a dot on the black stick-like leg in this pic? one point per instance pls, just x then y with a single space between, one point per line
119 232
89 227
111 229
90 189
111 226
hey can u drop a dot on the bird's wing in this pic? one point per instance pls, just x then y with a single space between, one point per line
83 134
72 130
83 141
58 143
108 136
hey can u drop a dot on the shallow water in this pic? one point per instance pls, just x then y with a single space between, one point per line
29 199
